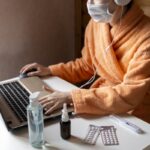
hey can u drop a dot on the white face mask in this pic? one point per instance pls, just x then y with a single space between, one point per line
99 12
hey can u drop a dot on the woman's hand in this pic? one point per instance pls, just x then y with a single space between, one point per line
40 70
55 101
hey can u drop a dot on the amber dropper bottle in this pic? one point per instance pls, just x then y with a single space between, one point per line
65 123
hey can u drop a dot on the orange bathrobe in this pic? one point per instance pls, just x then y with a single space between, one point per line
123 67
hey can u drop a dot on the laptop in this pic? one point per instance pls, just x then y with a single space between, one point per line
14 99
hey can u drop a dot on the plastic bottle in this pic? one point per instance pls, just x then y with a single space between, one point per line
35 121
65 123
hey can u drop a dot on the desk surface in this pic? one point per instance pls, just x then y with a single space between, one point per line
128 140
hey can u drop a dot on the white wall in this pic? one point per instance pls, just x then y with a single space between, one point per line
35 31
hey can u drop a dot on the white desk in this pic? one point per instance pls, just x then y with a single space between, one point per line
127 139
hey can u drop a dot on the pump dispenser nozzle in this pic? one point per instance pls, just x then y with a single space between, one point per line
34 96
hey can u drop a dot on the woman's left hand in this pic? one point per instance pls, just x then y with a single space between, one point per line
55 101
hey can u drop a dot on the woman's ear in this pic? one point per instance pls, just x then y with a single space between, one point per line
112 7
122 2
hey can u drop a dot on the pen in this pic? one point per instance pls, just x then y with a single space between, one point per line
128 124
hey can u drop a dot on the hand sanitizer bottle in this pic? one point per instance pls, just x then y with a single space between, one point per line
65 124
35 121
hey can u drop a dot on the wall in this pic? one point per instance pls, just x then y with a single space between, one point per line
81 20
35 31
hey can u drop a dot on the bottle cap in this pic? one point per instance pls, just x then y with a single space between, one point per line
65 117
34 96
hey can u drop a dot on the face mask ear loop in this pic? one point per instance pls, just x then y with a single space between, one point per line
107 48
95 73
91 79
109 13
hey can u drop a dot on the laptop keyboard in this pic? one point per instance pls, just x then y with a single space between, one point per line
17 98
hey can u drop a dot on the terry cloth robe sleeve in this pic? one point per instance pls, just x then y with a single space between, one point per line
119 98
75 71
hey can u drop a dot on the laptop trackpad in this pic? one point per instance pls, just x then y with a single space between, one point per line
33 84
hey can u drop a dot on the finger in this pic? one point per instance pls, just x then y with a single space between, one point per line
23 68
44 98
49 89
54 107
48 104
34 73
44 102
27 67
30 67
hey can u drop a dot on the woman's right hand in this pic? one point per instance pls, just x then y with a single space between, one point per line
40 70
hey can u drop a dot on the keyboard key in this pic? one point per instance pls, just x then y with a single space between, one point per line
17 97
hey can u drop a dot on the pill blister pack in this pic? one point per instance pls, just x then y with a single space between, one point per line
92 134
108 135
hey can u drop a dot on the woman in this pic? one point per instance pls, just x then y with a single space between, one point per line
117 49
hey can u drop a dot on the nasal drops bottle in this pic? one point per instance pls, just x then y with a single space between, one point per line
65 123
